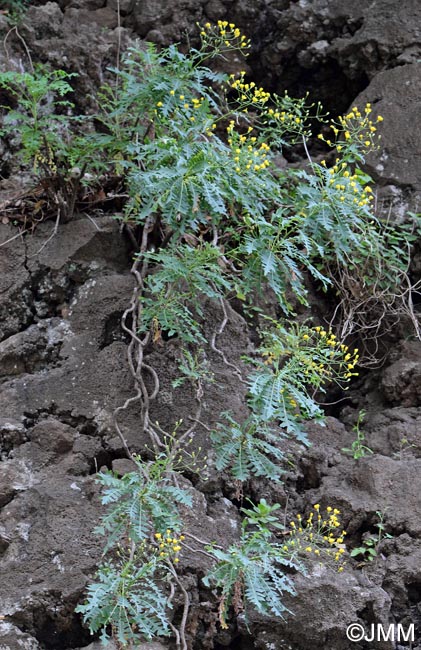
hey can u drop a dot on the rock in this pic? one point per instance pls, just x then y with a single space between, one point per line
219 523
52 435
50 553
104 17
394 432
79 242
403 576
382 37
73 36
63 353
11 638
30 350
125 5
15 306
12 434
154 645
394 95
371 484
327 602
401 380
123 466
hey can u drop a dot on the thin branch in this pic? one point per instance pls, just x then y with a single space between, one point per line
25 47
200 541
198 550
220 352
186 607
92 221
53 234
19 234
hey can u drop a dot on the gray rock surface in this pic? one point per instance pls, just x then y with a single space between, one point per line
62 351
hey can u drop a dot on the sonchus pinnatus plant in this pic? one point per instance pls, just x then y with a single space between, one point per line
201 175
129 597
251 574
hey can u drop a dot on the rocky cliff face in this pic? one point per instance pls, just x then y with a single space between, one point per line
62 351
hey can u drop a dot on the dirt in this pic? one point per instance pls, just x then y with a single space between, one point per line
63 354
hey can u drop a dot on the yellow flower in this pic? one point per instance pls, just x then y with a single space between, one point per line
316 506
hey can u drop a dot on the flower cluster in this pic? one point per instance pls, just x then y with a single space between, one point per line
347 187
335 350
288 115
46 160
248 153
319 356
283 113
248 93
169 545
223 35
320 536
355 127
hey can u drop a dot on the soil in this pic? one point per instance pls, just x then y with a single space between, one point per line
63 353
